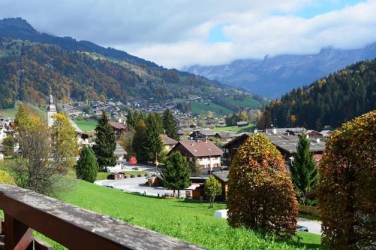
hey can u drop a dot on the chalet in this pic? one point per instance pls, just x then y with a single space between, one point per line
287 144
202 135
242 123
224 136
207 154
196 190
314 134
232 146
286 140
326 133
119 128
222 178
168 143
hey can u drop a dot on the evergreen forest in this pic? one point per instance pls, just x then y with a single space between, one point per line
327 102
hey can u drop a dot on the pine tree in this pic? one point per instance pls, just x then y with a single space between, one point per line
303 170
130 119
176 175
152 142
139 141
159 122
105 142
212 188
170 126
87 165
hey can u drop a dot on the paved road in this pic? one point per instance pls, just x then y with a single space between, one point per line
313 226
137 184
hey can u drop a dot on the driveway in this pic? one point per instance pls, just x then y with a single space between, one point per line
313 226
137 184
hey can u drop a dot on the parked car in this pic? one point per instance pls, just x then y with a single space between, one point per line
302 228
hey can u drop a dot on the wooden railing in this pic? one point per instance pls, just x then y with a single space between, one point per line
71 226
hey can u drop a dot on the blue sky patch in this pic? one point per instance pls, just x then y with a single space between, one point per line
216 34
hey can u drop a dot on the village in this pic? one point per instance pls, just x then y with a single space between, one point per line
213 150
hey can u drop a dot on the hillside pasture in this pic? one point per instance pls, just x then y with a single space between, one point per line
184 219
235 129
86 125
203 108
247 102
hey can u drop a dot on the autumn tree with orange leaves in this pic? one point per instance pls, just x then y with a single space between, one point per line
261 196
347 196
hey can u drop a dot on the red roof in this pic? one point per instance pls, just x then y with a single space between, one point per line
201 148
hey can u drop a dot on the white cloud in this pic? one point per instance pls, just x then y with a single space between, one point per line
174 33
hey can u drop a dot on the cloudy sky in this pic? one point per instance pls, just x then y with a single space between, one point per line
178 33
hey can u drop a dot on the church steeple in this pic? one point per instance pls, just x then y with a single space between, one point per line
51 110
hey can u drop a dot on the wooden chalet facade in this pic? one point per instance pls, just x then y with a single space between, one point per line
222 178
119 128
207 154
232 146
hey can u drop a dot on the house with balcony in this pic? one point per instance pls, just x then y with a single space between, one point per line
206 152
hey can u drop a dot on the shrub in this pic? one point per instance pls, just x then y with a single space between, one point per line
6 178
347 185
261 195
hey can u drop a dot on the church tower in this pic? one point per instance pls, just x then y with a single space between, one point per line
51 110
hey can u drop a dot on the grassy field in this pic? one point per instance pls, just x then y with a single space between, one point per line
235 129
247 102
187 220
86 125
202 108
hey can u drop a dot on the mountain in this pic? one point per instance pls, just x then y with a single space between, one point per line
32 62
277 75
329 101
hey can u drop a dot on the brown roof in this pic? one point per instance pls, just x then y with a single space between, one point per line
201 148
117 125
167 140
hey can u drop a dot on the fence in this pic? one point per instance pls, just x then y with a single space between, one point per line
71 226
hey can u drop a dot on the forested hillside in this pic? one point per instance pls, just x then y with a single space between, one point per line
27 70
329 101
31 63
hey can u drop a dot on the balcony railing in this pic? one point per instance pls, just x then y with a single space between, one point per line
71 226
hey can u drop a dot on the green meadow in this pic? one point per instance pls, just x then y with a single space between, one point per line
202 108
86 125
190 221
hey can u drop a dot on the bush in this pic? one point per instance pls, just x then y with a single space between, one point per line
132 176
6 178
139 175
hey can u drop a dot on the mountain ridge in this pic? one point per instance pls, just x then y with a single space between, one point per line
274 76
31 63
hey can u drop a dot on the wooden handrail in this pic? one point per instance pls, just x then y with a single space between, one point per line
72 226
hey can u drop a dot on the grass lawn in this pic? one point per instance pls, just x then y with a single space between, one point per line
86 125
187 220
202 108
235 129
247 102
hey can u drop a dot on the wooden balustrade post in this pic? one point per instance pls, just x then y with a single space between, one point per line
17 235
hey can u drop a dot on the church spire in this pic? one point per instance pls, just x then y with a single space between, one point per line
51 110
